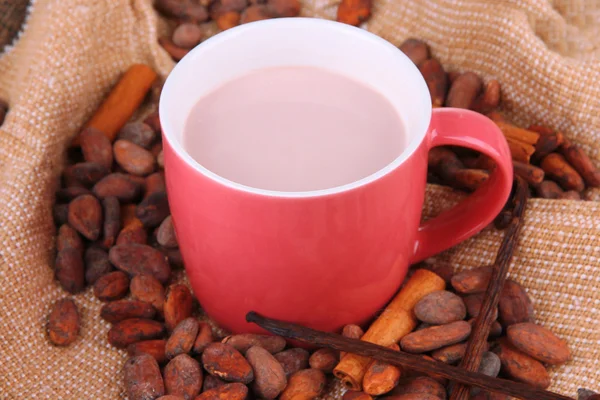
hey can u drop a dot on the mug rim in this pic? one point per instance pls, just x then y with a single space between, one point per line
168 95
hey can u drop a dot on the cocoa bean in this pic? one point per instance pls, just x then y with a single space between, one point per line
590 194
293 360
112 286
85 215
183 337
229 391
353 332
489 100
284 8
416 50
420 384
225 362
176 52
88 173
531 174
187 35
435 337
490 364
570 195
436 80
514 305
495 329
228 20
119 186
539 343
254 13
381 377
464 90
112 220
219 7
444 162
482 395
474 303
174 257
558 169
166 233
549 190
71 192
140 259
96 147
133 234
183 377
142 378
204 338
68 238
352 395
153 121
212 382
269 376
133 158
475 280
582 164
96 264
148 289
153 209
178 305
413 396
242 342
129 331
185 10
469 179
138 133
120 310
324 360
156 348
69 270
354 12
160 160
306 384
63 322
521 367
60 212
440 308
170 397
450 354
155 183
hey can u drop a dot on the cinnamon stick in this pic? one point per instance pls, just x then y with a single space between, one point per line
395 322
410 361
476 345
123 101
516 133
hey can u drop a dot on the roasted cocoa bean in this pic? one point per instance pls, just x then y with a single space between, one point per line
96 264
269 376
450 354
354 12
153 209
156 348
228 20
184 10
474 303
225 362
464 90
324 360
129 331
243 341
436 80
581 163
63 322
68 238
306 384
229 391
212 382
183 337
178 305
87 173
416 50
352 395
139 259
166 234
420 384
69 270
440 308
514 305
254 13
183 377
60 212
442 269
549 190
204 338
539 343
187 35
148 289
133 158
521 367
558 169
112 220
85 215
96 147
435 337
72 192
475 280
119 186
154 183
293 360
381 377
138 133
284 8
121 310
143 380
112 286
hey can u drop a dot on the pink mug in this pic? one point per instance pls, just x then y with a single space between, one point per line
321 258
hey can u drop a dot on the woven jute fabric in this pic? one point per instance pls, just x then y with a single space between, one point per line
545 53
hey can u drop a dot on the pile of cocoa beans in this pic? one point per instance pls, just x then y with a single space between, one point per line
3 110
518 348
191 16
554 167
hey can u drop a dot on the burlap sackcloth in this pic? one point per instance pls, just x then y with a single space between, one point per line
545 53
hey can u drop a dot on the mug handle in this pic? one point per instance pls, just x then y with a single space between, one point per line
459 127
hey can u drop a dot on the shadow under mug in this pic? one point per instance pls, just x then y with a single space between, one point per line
322 258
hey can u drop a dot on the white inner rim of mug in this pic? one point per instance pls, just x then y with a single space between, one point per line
337 47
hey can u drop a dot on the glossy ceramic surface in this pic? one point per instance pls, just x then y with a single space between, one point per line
330 257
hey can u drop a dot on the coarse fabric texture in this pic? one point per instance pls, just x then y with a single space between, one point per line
546 55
